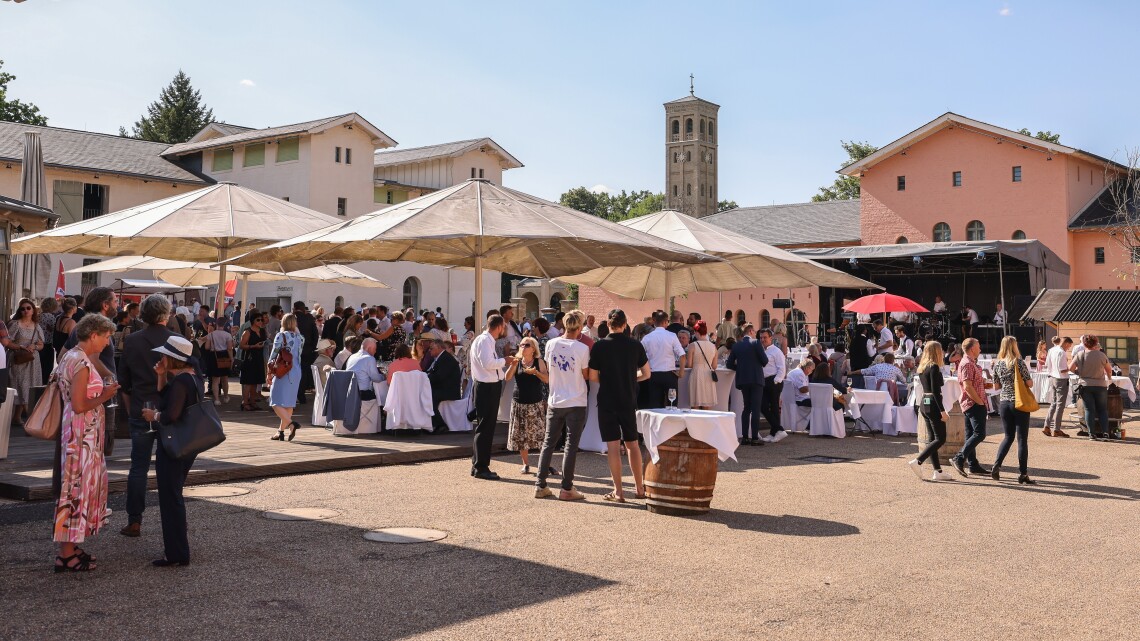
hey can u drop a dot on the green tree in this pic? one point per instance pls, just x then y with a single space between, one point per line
726 205
1047 136
613 207
649 204
846 187
175 117
584 200
13 110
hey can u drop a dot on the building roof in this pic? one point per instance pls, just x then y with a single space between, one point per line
1085 306
310 127
22 207
821 223
219 129
951 119
691 98
95 152
392 157
1102 210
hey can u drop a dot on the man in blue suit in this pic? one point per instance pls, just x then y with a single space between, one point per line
748 359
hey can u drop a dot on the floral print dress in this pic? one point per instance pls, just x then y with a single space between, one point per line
82 506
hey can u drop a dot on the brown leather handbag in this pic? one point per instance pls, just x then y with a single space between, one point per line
280 365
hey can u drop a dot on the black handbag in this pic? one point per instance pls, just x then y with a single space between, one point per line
197 430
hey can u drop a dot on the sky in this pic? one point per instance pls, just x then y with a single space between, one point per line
575 89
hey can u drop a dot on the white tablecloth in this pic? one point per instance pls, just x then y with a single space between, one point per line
715 428
877 416
951 392
728 398
1043 389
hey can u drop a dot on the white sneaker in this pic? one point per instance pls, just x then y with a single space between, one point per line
217 401
781 435
916 467
767 439
942 476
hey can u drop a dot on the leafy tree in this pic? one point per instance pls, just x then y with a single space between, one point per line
613 207
13 110
584 200
846 187
1047 136
175 117
649 204
726 205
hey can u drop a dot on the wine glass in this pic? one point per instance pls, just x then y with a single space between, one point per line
672 398
149 405
114 402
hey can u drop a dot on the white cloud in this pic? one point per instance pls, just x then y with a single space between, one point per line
1005 11
600 189
247 83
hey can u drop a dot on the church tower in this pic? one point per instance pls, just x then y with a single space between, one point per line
690 155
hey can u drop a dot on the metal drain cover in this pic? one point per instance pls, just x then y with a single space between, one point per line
300 514
213 491
819 458
405 535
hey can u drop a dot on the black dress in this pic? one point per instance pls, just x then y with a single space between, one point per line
253 361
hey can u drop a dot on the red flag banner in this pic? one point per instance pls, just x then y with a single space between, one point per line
231 287
60 283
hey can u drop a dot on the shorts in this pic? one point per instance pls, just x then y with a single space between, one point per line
617 425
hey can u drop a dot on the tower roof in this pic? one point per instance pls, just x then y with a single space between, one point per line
688 99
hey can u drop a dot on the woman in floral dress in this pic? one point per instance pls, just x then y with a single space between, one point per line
82 506
528 407
27 338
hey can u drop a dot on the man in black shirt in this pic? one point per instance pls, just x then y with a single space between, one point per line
307 325
675 324
617 364
332 331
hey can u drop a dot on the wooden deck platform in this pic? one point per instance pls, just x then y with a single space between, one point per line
247 453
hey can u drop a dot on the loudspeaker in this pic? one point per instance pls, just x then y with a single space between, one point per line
783 303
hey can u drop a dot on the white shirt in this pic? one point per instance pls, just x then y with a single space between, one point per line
885 336
383 324
408 327
512 334
1057 362
663 349
940 307
341 358
553 332
971 316
797 378
777 363
903 347
363 365
863 318
902 317
219 340
589 331
999 318
566 361
485 368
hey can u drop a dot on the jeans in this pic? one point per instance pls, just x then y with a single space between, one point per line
1015 423
975 434
142 449
559 420
750 416
937 428
1096 405
770 405
1057 404
171 474
487 396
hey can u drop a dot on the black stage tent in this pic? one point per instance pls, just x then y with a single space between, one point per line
975 273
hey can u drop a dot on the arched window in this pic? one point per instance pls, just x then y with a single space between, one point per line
556 301
740 316
689 189
765 319
412 293
674 190
339 302
975 230
712 131
1018 235
941 233
901 240
688 156
676 127
688 125
702 127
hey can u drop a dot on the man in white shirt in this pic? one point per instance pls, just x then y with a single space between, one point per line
999 316
363 364
663 349
970 320
567 361
939 305
383 323
886 338
588 328
513 333
488 372
773 385
904 346
1057 365
799 379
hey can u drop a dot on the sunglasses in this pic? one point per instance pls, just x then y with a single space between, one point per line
26 309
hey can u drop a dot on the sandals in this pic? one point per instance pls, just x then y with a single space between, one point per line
613 497
293 430
83 563
279 436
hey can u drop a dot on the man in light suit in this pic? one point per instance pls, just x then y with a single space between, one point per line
748 359
444 375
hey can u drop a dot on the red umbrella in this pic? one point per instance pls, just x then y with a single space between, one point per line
883 303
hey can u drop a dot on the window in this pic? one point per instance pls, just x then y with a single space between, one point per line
472 172
412 293
388 197
480 173
341 206
975 230
1098 255
688 125
89 281
288 149
338 302
688 156
336 155
94 200
1121 350
957 179
223 160
712 131
676 157
254 155
942 233
1017 174
1018 235
676 127
702 127
285 198
688 189
765 319
674 190
901 240
347 156
902 183
702 190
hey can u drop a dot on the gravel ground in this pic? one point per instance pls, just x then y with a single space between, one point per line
792 550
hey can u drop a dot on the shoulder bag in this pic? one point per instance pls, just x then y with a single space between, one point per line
19 355
197 430
46 416
283 361
712 370
1024 401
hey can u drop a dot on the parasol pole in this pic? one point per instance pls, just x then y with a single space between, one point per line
668 287
244 294
219 302
1001 286
479 287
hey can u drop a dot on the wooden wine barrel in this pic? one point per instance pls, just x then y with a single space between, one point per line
1115 407
955 432
681 482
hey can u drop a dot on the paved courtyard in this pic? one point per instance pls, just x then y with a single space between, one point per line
851 550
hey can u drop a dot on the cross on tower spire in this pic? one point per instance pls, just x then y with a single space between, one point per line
691 85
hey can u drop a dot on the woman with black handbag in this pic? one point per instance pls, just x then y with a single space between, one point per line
179 388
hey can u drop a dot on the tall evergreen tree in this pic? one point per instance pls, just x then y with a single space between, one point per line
13 110
175 117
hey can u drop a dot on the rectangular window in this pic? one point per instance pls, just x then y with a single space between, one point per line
480 173
89 281
288 149
336 156
472 172
254 155
348 155
1098 255
902 183
223 159
95 199
1121 350
1017 174
341 206
957 179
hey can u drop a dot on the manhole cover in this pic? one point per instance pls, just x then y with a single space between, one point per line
213 491
405 535
300 514
819 458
